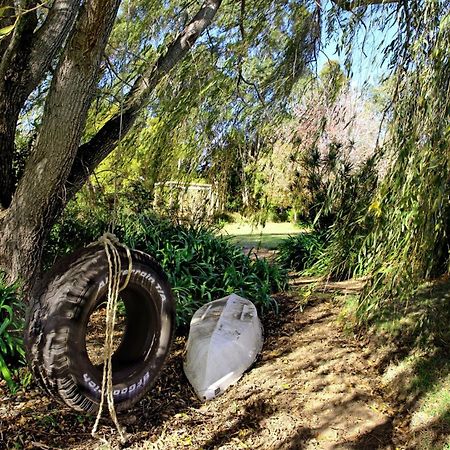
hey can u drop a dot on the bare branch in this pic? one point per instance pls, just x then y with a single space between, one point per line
241 20
19 42
15 51
6 19
25 58
50 37
252 84
176 51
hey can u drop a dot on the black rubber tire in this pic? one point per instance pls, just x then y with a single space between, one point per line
55 336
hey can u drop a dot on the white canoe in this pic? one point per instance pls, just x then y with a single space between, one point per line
225 337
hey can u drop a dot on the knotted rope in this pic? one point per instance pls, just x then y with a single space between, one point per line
111 243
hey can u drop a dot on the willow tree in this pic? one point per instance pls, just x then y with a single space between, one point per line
62 46
410 237
55 51
399 231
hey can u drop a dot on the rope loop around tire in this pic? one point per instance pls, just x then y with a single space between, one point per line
58 320
110 243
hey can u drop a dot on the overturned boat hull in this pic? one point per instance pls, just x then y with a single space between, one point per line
224 339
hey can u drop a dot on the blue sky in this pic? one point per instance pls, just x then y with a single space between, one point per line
368 66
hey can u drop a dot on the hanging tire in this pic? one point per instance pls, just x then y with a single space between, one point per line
57 324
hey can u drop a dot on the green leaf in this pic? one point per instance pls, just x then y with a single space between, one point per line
4 325
6 30
5 372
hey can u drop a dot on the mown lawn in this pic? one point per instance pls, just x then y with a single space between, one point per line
270 236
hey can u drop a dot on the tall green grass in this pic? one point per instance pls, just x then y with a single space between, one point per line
301 251
12 353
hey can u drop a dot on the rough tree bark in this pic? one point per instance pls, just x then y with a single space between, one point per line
28 217
59 166
25 57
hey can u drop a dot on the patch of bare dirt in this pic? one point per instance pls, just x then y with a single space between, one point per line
313 387
95 333
260 253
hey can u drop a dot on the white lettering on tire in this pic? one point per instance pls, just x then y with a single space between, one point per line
118 392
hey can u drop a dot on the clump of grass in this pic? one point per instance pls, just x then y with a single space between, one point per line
414 338
421 320
301 251
420 381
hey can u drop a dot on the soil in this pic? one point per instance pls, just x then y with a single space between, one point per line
313 387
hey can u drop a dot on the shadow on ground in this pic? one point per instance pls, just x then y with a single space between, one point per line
415 363
310 389
313 387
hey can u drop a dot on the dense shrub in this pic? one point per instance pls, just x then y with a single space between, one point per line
300 251
79 226
200 265
278 214
12 351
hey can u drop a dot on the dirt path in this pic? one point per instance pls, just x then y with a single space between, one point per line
312 388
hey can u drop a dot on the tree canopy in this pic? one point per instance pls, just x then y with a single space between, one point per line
193 87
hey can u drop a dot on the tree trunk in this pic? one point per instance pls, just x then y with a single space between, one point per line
13 65
59 166
8 121
25 57
40 194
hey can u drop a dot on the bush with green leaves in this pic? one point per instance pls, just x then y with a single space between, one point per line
200 265
301 251
12 352
79 225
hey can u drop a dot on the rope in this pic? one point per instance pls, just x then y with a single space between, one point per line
110 243
119 147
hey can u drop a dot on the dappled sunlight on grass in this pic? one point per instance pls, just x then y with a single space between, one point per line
423 319
413 339
418 376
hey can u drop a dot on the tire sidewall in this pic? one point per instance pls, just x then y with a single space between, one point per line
89 378
62 360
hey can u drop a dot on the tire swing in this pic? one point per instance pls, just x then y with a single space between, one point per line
74 291
57 325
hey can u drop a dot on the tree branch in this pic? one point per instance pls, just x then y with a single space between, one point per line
36 48
18 48
241 20
13 64
49 38
24 62
176 51
103 143
6 19
352 4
